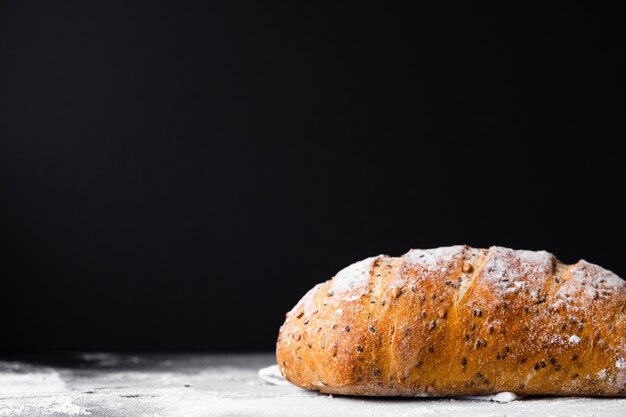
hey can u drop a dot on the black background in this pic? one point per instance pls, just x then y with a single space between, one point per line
175 175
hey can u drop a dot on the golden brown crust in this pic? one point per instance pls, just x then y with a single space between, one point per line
460 321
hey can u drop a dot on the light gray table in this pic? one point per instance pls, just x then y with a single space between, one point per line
221 385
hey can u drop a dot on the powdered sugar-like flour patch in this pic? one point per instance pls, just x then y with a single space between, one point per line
353 277
574 340
271 374
433 259
36 393
509 270
501 397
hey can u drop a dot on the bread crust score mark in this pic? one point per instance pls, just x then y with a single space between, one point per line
460 321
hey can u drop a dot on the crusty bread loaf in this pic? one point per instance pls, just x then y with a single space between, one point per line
460 321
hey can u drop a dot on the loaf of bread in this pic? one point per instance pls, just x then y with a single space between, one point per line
460 321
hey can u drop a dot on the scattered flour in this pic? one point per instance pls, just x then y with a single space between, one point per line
433 259
574 340
36 393
271 374
354 277
509 270
501 397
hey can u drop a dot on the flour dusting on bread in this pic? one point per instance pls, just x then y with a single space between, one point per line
353 278
433 259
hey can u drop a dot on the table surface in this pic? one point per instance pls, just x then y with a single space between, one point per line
220 385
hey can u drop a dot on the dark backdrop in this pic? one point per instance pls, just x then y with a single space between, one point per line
175 175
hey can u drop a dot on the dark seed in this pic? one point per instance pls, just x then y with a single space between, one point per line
372 329
346 329
463 361
466 337
543 364
359 348
574 357
477 312
432 325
